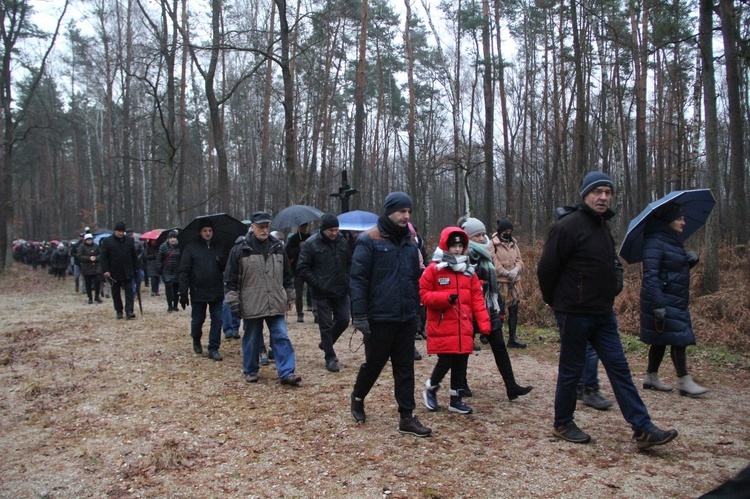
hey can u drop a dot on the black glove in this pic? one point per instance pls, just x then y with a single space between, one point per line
452 299
236 309
184 301
361 324
692 258
660 314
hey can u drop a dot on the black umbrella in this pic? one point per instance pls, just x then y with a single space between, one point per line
226 230
294 216
165 235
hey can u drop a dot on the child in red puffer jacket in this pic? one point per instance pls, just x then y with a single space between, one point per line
453 296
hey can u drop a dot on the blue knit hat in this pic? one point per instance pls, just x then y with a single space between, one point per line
592 180
396 201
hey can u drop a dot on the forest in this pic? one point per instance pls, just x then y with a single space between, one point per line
155 111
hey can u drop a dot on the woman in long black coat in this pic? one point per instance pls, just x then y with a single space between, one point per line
167 266
665 295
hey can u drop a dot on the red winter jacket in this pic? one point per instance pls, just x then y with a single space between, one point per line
450 326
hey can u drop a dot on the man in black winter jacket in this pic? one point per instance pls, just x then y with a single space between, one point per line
119 265
578 277
202 274
324 263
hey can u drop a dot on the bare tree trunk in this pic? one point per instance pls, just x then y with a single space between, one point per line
489 116
359 106
640 61
713 236
579 162
510 207
265 144
290 138
411 162
737 193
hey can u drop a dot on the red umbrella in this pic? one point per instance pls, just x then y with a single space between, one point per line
152 234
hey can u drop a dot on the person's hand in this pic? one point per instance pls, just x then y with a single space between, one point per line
692 258
513 274
452 299
184 301
361 324
235 309
660 314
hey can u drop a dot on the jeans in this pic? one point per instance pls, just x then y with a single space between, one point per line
198 317
394 341
590 378
576 330
333 319
252 340
230 324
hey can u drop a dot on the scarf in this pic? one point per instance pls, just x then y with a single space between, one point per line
456 263
392 229
479 254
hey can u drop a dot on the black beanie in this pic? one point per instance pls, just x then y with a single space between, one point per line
592 180
328 221
669 212
396 201
206 222
121 226
504 224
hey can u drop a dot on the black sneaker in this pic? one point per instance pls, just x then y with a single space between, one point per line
571 433
119 315
292 380
358 409
215 355
410 425
654 436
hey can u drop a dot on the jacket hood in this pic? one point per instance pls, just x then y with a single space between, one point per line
446 234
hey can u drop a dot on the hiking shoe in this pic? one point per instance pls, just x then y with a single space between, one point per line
592 398
457 405
358 409
654 436
332 366
410 425
251 378
292 380
571 433
430 396
264 359
215 355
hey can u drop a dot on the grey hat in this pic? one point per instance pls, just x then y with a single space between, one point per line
396 201
592 180
474 226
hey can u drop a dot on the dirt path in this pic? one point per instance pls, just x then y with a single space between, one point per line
92 407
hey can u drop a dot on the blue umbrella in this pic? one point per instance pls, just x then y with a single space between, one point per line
357 220
696 206
98 238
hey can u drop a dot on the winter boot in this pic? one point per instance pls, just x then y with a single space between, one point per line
651 381
514 342
688 387
430 396
592 398
457 405
516 391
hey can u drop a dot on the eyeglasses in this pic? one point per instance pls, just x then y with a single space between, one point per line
602 191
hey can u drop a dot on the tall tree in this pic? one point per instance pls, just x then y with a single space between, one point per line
15 24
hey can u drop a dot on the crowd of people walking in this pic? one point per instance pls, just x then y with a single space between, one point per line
393 292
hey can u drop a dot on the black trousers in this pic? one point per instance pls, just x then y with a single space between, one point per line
333 319
678 354
456 363
394 341
92 282
127 289
171 290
